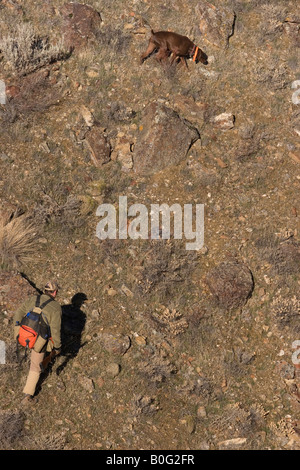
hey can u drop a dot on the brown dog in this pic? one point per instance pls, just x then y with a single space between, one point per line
180 47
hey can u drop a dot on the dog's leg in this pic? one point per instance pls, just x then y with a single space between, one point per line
173 58
151 47
162 54
183 60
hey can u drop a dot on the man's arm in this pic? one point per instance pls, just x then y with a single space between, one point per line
55 326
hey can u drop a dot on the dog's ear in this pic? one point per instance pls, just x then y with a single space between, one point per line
202 57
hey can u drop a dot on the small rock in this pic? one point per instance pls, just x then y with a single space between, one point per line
113 369
95 313
126 291
204 446
201 412
238 441
140 340
122 152
189 423
100 382
87 384
111 292
92 73
285 370
12 91
87 116
224 121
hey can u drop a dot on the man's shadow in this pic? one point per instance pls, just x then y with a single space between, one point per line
72 324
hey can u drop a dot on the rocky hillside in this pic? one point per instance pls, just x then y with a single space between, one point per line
163 348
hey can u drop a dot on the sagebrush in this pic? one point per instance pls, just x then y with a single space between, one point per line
18 238
26 51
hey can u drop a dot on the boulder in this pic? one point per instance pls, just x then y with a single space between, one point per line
216 23
80 23
164 139
190 109
98 145
291 26
114 343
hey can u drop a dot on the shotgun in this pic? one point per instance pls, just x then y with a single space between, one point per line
47 360
53 353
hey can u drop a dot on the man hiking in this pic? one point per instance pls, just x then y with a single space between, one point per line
46 307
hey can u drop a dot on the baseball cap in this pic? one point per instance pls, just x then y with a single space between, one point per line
51 286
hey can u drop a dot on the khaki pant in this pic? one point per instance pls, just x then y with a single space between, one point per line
34 372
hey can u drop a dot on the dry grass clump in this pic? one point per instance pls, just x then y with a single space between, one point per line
287 312
56 441
171 320
26 51
17 241
157 368
11 428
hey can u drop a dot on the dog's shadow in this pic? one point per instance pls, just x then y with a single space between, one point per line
72 324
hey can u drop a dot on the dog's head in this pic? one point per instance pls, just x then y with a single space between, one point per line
201 57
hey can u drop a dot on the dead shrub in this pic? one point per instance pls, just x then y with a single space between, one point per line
66 214
144 405
231 284
157 368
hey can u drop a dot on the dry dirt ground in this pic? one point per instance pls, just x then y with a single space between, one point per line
163 348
